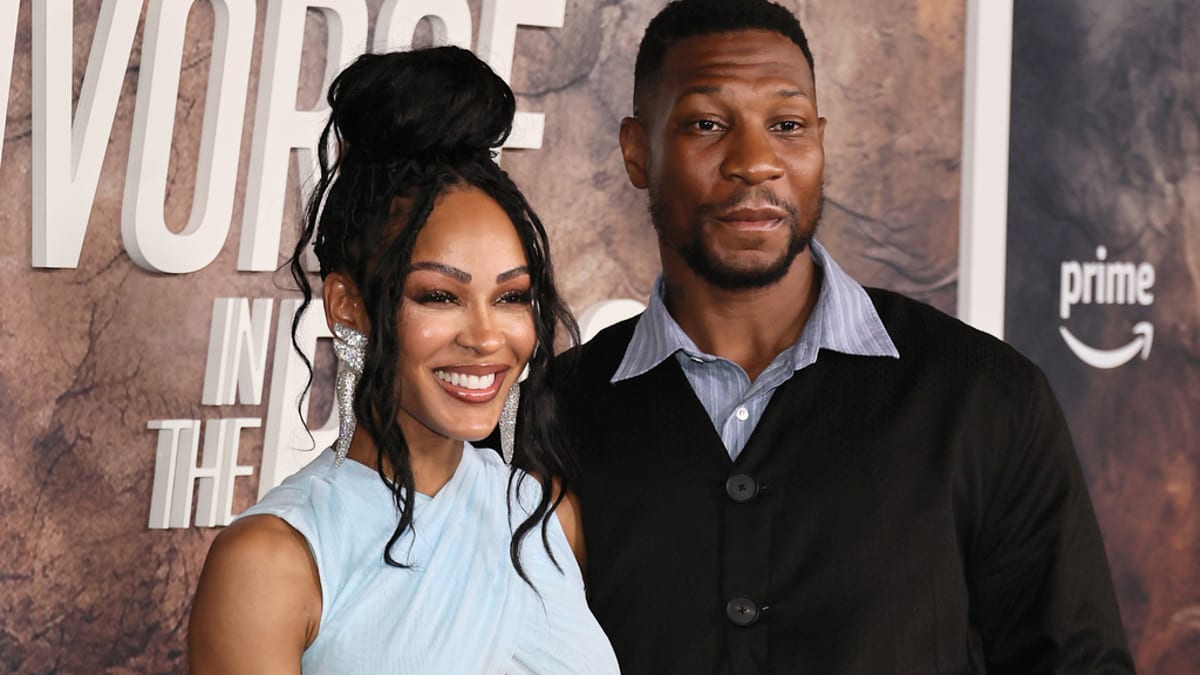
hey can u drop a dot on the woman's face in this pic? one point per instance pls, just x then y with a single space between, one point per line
466 322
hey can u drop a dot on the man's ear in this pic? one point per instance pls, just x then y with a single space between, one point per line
343 304
635 151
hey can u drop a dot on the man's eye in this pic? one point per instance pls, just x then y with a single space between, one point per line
789 126
706 125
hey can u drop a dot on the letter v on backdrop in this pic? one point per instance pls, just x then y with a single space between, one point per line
69 145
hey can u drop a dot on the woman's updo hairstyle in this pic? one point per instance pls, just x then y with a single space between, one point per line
400 123
404 126
436 103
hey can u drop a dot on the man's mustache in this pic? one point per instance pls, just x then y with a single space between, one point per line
758 196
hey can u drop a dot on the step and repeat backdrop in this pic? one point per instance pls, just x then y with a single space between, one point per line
1103 286
152 168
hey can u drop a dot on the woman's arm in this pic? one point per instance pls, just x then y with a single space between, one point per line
568 516
258 603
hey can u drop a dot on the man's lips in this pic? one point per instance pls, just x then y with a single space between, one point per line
473 383
752 218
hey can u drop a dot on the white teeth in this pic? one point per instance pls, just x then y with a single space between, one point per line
466 381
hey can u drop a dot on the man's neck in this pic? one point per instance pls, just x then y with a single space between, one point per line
749 327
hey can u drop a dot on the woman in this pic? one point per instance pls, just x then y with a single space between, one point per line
404 549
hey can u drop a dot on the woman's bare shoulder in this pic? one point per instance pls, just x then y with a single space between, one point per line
258 602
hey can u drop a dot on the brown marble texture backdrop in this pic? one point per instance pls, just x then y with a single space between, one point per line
88 355
1106 151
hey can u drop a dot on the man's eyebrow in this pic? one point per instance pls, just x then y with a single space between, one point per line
452 272
511 274
700 90
706 89
792 93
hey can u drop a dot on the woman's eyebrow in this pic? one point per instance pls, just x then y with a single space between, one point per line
511 274
452 272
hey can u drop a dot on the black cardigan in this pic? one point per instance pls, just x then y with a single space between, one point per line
925 514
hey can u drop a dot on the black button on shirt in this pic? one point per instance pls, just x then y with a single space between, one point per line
741 488
742 611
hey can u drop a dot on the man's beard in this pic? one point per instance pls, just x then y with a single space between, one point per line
730 277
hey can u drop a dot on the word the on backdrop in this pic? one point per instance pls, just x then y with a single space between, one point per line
1106 282
68 152
238 347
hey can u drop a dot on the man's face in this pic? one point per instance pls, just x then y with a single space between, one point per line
729 146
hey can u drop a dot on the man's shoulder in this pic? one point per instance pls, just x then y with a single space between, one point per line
920 325
930 339
599 357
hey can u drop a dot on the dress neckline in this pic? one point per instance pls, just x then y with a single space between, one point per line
467 457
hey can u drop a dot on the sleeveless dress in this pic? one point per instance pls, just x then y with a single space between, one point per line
460 607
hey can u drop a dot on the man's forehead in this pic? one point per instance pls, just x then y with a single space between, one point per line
712 61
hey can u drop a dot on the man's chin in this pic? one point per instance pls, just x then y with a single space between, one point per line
744 270
741 274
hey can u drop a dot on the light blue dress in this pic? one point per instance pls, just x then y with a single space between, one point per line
461 608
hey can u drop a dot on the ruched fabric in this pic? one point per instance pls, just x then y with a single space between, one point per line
460 607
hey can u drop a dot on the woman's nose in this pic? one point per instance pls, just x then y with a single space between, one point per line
480 333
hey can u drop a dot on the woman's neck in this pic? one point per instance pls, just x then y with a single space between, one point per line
433 458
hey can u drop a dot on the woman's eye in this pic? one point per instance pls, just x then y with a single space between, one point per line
436 297
515 298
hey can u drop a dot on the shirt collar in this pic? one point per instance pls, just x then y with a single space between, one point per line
843 320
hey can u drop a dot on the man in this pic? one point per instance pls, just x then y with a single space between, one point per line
782 471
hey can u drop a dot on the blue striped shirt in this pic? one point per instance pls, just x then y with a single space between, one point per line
843 320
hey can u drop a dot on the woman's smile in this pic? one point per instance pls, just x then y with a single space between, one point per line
473 384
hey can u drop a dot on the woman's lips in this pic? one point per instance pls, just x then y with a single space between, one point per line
473 384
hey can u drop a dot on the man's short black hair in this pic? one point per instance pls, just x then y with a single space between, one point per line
683 19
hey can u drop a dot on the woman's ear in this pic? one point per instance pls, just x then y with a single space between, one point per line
343 304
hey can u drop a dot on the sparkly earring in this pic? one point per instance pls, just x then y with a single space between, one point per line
508 418
350 346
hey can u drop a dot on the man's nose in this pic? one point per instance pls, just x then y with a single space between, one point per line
751 158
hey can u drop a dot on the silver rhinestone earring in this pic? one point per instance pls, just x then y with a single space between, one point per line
350 346
508 422
508 418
